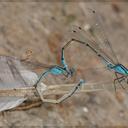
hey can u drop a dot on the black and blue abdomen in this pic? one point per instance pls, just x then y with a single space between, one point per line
119 68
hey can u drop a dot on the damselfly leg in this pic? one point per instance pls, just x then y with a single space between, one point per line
119 79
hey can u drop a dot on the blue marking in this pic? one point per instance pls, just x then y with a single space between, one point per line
56 71
120 69
63 60
82 81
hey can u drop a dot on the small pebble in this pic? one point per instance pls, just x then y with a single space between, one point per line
85 109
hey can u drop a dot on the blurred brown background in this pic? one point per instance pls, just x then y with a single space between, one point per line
40 26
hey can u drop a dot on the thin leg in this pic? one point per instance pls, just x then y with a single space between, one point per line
119 79
122 79
66 96
127 80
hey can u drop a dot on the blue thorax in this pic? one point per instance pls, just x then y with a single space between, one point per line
54 71
57 71
119 68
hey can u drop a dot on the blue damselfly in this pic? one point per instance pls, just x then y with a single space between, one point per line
94 39
16 82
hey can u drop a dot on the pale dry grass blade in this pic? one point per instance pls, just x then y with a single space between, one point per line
55 90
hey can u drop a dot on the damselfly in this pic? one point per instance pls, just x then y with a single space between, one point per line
95 40
14 76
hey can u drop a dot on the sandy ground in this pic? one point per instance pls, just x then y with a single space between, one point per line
41 26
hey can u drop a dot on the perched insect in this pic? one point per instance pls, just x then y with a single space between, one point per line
58 70
95 40
14 75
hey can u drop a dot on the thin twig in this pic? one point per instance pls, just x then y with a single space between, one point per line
53 90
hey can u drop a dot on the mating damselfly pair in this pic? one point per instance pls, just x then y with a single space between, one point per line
83 49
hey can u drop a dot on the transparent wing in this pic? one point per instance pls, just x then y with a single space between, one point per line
82 58
13 75
87 64
96 28
87 38
35 65
88 67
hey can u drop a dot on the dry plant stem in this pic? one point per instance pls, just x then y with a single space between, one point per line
28 106
35 99
53 90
